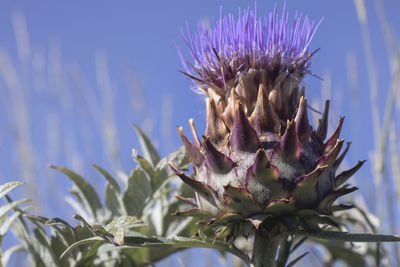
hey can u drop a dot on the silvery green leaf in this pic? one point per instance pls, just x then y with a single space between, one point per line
137 193
89 255
109 178
123 222
80 243
7 187
86 192
144 164
6 222
179 158
150 153
9 206
113 201
44 241
118 226
163 171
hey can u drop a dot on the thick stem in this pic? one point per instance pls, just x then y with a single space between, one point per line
265 248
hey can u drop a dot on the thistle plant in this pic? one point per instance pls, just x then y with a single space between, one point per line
261 172
260 168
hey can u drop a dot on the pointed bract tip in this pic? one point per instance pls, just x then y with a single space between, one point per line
173 168
264 117
330 157
203 189
193 152
323 123
332 140
290 144
274 98
345 175
303 128
215 129
229 113
262 165
243 136
312 176
263 171
195 136
216 160
341 157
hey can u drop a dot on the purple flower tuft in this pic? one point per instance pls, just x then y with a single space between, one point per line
232 47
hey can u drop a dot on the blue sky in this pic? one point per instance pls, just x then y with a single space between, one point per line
139 36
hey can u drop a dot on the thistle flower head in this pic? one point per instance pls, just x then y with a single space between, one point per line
260 161
232 47
234 56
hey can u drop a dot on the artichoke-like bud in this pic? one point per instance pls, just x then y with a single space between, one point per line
260 161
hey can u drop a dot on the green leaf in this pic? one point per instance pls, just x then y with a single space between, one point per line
86 225
109 178
80 243
143 163
293 262
346 237
150 153
123 222
6 222
9 206
163 171
137 193
90 255
44 241
113 201
85 190
118 226
178 158
7 187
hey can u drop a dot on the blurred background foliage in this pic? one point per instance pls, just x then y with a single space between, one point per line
75 76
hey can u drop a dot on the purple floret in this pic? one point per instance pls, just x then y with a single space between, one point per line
231 47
